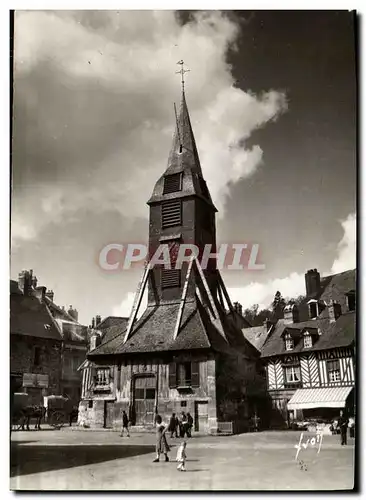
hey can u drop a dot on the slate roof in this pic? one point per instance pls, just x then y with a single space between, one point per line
28 316
340 333
331 287
111 321
256 335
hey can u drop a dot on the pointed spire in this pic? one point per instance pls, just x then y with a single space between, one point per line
183 154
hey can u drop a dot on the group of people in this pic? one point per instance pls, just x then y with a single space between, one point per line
182 426
162 446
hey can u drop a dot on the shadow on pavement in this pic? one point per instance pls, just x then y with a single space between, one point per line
34 459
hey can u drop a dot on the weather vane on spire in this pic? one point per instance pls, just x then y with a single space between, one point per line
182 71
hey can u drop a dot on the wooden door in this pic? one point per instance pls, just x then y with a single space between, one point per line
108 413
201 416
144 400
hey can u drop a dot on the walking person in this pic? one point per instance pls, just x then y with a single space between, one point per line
343 425
161 442
183 424
181 456
173 426
189 424
125 423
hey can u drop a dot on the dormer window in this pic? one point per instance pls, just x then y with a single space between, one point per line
289 342
313 309
308 341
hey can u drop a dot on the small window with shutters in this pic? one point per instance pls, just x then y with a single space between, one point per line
184 374
171 213
170 278
172 375
195 370
172 183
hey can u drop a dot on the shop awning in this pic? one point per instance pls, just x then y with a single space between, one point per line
331 397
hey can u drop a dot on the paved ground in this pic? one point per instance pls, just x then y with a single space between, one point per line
73 460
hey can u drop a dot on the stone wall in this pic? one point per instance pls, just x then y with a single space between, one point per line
22 349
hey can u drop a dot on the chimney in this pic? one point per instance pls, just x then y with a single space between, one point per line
290 314
73 313
238 308
40 293
98 320
50 295
312 283
25 281
34 281
334 311
93 323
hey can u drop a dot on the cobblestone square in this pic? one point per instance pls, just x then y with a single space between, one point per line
72 459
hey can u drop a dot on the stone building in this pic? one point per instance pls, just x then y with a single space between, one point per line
185 353
47 344
309 355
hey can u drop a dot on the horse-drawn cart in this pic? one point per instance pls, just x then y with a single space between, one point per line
55 411
23 411
58 410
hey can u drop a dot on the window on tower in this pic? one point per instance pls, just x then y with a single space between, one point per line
171 213
172 183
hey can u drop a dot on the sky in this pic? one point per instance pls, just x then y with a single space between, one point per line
272 99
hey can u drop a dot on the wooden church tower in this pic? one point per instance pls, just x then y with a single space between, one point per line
184 353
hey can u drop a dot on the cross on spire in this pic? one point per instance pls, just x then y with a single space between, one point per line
182 71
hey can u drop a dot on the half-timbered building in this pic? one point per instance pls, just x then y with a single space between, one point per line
185 353
310 363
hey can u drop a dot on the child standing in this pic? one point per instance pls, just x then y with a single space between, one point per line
181 456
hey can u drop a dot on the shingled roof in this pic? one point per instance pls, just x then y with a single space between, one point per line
340 333
256 335
111 321
333 287
153 332
29 316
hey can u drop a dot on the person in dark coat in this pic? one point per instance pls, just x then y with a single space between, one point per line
125 424
161 442
183 425
343 425
173 426
189 424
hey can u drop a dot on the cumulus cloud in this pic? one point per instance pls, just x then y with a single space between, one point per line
263 293
294 284
125 307
346 249
93 115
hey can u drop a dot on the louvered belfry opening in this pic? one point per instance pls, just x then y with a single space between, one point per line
172 183
170 278
171 213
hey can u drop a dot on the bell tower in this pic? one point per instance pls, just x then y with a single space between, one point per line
181 212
